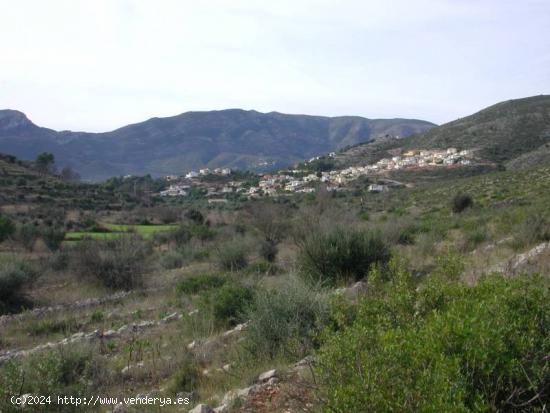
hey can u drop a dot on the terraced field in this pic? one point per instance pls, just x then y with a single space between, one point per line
116 230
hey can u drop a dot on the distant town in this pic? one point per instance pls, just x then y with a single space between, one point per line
305 181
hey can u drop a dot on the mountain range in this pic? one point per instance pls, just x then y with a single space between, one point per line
173 145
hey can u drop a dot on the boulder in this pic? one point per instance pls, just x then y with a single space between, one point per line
266 376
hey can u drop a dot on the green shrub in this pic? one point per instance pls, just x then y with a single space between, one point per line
229 304
27 234
7 229
14 276
407 236
341 254
53 237
60 260
476 237
461 202
202 232
97 316
195 215
443 347
231 257
535 228
449 265
286 321
186 378
181 235
60 373
118 263
268 250
171 259
196 284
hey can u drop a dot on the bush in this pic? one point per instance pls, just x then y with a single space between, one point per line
171 259
229 304
475 237
7 228
198 283
268 250
341 254
14 276
443 347
118 263
286 321
167 215
407 236
202 232
195 215
186 378
181 235
60 260
53 237
460 202
27 234
59 373
535 228
231 257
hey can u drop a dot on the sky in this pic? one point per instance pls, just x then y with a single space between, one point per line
99 65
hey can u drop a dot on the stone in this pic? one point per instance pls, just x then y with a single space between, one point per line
272 381
247 391
267 375
109 333
221 409
238 328
170 317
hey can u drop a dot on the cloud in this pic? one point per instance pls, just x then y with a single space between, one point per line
99 65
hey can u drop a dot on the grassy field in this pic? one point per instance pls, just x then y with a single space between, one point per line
146 231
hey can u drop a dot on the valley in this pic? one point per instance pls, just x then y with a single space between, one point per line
416 259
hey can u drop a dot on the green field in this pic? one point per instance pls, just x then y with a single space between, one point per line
146 231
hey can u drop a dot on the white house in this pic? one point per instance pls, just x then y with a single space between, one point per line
174 190
377 188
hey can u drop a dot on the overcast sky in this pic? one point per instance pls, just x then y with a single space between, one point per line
97 65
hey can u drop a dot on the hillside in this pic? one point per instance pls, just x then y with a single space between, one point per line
515 133
23 189
202 312
228 138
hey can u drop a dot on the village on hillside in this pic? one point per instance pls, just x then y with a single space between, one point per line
304 181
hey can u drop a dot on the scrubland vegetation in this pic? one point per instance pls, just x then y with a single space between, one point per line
411 300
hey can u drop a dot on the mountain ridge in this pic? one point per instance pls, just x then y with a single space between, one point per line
171 145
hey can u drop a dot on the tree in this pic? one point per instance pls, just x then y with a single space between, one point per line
6 228
271 221
44 162
68 174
